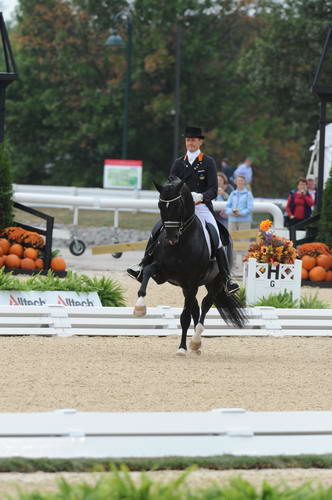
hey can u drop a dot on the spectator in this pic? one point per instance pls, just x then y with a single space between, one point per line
240 206
311 184
224 190
245 169
228 170
299 203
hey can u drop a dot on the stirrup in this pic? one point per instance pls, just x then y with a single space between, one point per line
231 287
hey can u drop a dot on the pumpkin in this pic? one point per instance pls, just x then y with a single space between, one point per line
12 261
308 262
4 244
58 264
39 263
31 253
16 249
328 276
2 261
323 260
27 263
304 274
317 273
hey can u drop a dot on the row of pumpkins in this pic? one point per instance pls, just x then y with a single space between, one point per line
317 268
16 256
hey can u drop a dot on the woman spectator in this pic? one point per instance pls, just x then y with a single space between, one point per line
240 206
299 203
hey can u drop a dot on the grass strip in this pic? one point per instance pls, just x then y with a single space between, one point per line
120 486
223 462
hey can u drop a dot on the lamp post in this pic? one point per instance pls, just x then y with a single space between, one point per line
8 72
177 90
115 40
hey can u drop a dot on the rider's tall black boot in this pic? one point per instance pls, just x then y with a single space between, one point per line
221 258
136 272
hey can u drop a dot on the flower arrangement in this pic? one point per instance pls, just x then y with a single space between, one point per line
26 238
313 249
270 248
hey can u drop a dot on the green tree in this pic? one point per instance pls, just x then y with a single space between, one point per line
64 114
282 60
6 204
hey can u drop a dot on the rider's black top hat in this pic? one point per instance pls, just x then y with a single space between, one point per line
195 132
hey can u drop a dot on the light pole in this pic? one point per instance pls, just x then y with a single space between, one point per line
177 90
115 40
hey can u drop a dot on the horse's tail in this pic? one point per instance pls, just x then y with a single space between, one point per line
229 306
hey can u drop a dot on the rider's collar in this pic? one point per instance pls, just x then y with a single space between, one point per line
191 157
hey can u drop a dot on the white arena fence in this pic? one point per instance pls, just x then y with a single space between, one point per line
59 320
67 433
123 202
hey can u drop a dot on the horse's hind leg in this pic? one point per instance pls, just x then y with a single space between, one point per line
185 318
140 307
207 303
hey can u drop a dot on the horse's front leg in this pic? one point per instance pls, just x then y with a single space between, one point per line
185 318
140 307
195 341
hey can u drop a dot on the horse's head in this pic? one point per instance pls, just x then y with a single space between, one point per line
176 207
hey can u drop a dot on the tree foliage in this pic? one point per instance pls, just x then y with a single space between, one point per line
246 67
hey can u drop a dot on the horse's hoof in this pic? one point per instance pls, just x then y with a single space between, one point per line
195 343
139 311
181 352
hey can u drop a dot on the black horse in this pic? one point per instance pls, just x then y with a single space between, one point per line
181 257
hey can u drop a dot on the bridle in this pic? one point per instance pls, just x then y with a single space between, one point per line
180 225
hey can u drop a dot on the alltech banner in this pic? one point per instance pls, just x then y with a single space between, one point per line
68 299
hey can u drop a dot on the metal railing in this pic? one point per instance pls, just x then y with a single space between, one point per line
78 202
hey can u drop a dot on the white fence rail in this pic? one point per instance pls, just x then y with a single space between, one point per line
71 434
102 202
160 321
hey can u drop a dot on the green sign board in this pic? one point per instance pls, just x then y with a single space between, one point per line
125 174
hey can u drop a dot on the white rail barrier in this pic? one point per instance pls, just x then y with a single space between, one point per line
57 320
101 203
72 434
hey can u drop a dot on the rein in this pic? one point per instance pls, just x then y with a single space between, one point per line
178 224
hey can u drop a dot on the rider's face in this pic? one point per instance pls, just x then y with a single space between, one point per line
193 143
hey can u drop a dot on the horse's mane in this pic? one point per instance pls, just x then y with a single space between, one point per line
174 186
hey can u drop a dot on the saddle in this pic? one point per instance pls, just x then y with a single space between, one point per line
214 239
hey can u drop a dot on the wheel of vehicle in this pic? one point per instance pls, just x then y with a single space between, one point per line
77 247
116 255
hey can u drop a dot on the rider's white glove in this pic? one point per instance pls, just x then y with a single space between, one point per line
197 197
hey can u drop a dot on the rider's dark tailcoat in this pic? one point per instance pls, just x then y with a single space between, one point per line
201 177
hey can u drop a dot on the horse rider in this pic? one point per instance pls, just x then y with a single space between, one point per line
199 172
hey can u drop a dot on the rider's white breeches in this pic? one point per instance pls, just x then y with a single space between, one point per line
204 215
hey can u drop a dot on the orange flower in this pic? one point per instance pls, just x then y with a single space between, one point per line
265 225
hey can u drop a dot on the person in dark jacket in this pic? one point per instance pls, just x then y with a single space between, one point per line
199 172
299 203
228 170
